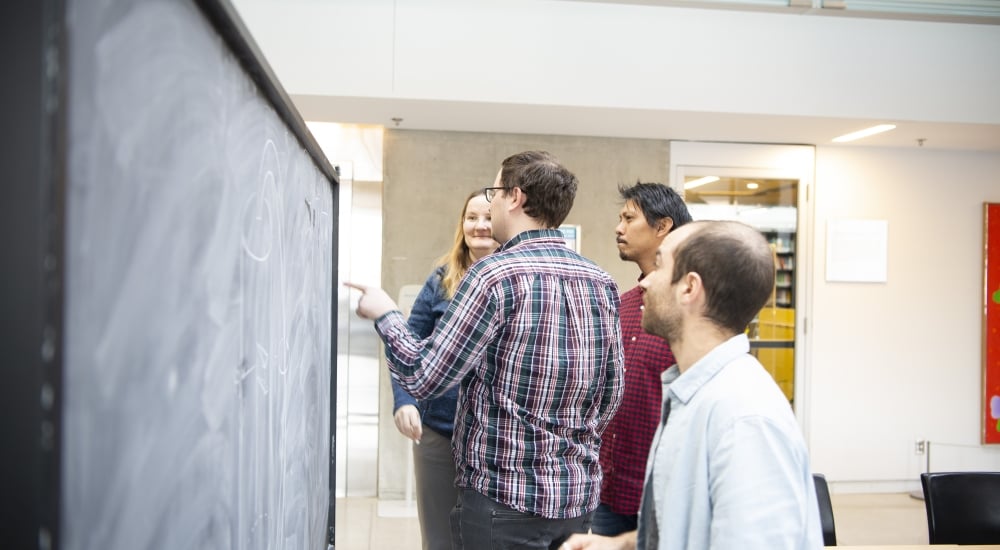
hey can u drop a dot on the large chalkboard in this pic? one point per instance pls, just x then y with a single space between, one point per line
180 223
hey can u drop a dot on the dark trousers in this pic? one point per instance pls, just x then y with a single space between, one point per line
478 523
610 523
434 470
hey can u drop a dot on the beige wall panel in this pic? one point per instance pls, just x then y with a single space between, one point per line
428 174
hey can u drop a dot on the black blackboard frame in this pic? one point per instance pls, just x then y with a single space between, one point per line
33 220
32 114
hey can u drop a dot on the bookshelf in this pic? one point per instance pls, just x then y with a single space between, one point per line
783 244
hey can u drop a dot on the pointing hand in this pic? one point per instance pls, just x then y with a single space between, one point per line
374 302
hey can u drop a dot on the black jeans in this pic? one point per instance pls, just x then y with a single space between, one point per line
478 523
610 523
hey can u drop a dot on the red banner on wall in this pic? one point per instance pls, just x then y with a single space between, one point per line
991 323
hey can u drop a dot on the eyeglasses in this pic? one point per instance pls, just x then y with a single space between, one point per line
490 192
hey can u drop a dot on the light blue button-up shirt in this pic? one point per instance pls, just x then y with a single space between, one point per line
730 469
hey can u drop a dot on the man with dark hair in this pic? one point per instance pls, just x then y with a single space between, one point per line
533 337
649 212
728 467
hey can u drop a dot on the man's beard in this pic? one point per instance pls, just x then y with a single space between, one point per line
668 326
624 255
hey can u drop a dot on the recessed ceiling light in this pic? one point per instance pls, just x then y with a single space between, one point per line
864 133
700 181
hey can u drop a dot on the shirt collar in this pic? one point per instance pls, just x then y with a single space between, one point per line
685 386
530 235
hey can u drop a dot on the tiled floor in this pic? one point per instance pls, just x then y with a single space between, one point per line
891 518
897 518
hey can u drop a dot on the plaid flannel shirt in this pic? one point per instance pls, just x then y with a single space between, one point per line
533 337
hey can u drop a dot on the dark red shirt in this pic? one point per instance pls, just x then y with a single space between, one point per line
626 441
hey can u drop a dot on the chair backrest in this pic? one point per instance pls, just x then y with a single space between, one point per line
962 507
825 510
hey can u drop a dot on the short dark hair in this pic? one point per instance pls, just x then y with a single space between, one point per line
657 201
548 186
736 266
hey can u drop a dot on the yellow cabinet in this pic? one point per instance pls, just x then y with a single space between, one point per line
772 341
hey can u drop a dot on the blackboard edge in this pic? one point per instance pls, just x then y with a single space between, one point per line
229 25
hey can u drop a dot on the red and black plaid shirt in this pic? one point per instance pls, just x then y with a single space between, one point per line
626 441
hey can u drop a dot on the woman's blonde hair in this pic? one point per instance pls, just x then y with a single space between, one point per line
457 261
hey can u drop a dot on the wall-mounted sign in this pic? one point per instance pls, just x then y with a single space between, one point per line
572 235
857 251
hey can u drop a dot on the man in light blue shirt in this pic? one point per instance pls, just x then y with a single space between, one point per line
728 468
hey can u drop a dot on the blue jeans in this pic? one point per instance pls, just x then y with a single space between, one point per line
479 523
609 523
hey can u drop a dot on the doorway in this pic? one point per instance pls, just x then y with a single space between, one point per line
770 205
767 187
357 152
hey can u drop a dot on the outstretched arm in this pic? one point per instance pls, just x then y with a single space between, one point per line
374 301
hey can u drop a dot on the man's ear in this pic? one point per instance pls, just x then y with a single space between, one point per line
518 196
692 288
664 226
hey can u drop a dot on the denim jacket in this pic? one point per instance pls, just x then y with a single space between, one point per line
438 413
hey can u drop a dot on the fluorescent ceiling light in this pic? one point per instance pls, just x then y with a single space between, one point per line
699 182
752 185
864 133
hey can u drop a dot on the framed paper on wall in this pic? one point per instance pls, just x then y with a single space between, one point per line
571 233
991 323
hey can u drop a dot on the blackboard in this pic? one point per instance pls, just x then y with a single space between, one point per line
200 260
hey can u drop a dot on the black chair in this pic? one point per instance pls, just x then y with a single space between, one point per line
825 511
962 507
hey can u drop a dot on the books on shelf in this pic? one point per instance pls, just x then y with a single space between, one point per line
783 244
783 297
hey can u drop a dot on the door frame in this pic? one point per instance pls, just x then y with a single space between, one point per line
773 162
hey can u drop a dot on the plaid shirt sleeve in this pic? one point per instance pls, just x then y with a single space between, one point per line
428 367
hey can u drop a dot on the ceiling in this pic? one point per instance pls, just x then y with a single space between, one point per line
468 116
640 123
983 12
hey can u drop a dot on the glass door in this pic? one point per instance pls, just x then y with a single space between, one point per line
767 187
770 205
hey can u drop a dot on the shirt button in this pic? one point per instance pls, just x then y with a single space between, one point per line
633 338
642 308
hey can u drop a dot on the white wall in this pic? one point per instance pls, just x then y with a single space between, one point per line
898 361
632 56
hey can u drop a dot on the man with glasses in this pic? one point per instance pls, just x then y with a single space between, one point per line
533 337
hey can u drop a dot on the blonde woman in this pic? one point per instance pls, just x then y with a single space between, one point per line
429 423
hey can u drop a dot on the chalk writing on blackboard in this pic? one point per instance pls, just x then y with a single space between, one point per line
199 296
